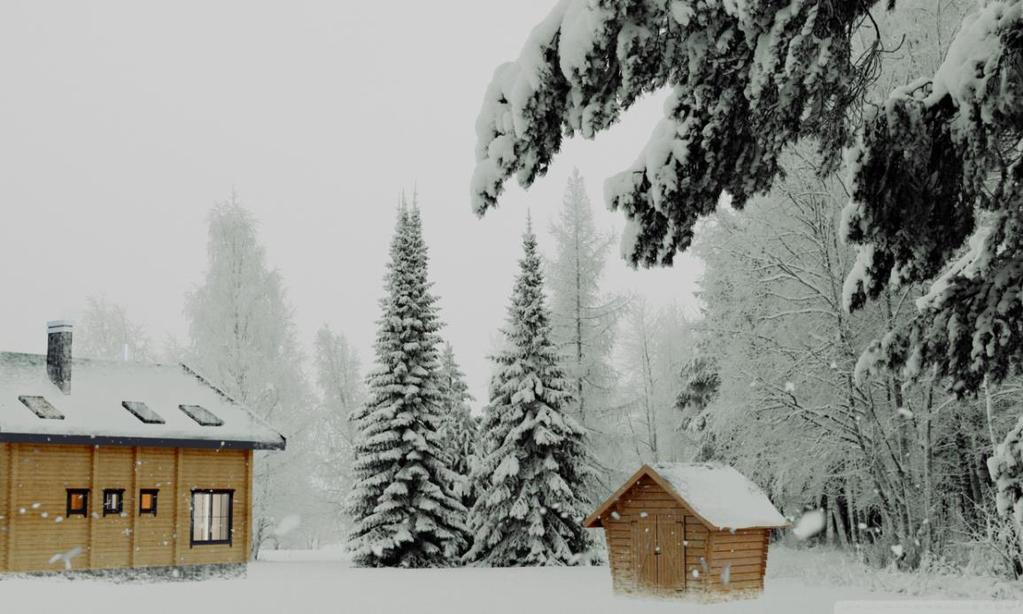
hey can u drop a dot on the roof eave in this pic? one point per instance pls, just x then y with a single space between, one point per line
154 442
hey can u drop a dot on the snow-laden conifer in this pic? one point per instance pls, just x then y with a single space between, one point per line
534 466
459 429
404 511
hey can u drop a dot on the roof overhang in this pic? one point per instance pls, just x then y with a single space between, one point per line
152 442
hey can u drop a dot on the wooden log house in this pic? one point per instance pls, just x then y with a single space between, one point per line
678 528
129 465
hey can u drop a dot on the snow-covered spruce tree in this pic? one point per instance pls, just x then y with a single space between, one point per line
403 509
699 385
583 319
534 465
459 429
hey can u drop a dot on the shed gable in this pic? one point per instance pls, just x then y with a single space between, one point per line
644 486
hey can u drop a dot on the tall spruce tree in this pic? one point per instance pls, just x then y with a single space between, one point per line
534 465
459 430
404 511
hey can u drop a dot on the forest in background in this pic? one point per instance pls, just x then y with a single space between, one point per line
765 378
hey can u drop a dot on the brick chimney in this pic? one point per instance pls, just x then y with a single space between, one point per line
58 354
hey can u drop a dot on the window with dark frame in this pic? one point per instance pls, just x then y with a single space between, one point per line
77 502
147 501
113 501
212 517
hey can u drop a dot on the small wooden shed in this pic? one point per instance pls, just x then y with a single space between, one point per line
676 528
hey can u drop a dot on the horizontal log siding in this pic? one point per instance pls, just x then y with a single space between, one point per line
4 506
111 533
744 554
33 500
38 503
154 535
646 497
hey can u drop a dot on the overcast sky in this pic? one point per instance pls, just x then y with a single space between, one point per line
121 123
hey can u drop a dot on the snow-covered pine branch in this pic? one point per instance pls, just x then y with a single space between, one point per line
747 79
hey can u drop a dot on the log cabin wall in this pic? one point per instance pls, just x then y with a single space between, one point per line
738 560
5 487
646 502
34 526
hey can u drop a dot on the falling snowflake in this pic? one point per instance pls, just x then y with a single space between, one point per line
66 557
810 524
790 387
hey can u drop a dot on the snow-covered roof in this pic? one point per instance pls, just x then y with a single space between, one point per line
721 495
103 407
717 493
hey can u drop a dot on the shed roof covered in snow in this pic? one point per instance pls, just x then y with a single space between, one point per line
120 403
719 495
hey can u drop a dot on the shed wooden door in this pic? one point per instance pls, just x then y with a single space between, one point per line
659 549
671 557
644 545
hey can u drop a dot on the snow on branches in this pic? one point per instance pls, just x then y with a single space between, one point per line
747 79
1006 469
941 157
534 468
404 509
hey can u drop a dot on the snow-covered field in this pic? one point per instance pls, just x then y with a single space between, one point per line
799 582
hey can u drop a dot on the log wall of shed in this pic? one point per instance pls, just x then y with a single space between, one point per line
737 560
34 526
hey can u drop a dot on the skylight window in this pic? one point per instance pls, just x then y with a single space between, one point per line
142 412
41 407
201 415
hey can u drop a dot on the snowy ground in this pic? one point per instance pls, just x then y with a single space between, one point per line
799 582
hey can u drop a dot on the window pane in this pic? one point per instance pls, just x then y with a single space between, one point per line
220 519
200 516
112 501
